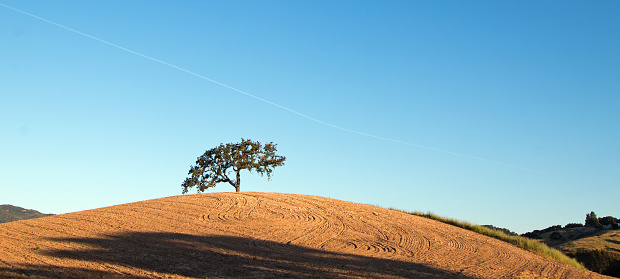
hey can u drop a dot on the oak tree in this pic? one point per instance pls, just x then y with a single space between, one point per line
225 162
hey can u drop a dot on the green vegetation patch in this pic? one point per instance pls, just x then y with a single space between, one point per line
602 261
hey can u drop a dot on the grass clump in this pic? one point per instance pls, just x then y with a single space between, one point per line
520 241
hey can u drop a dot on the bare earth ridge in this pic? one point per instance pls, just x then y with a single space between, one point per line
258 235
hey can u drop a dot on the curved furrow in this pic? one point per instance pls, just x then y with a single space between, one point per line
377 238
370 228
463 245
218 207
409 242
375 248
517 261
239 208
272 214
551 269
214 202
227 211
531 270
310 225
492 258
338 231
460 254
337 227
345 222
313 228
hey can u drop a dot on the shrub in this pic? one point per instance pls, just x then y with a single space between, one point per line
592 220
600 261
555 236
573 225
607 220
536 233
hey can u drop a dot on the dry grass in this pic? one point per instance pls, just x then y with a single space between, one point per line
609 240
520 241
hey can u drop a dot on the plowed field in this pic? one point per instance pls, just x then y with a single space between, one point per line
258 235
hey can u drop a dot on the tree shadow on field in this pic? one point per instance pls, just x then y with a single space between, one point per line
213 256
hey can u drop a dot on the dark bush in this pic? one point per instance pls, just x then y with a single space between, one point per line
592 220
555 236
607 220
536 233
600 261
573 225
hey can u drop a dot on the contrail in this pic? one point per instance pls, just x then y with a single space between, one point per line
261 99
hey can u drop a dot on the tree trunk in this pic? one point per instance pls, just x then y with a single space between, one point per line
238 186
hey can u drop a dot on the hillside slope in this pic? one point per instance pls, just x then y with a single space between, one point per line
258 235
599 252
10 213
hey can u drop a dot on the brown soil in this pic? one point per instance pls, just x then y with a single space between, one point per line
258 235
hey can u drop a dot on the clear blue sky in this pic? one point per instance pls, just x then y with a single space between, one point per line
531 88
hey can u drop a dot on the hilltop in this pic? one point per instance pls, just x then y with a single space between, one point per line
259 235
10 213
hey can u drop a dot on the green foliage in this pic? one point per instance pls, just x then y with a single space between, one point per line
607 220
555 236
599 260
573 225
520 241
592 220
217 164
535 234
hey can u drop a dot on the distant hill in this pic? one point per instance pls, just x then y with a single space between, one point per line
10 213
597 249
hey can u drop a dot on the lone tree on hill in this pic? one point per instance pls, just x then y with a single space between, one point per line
216 165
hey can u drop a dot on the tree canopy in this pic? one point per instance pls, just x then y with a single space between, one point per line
592 220
217 164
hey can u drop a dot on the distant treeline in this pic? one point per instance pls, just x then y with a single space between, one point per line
591 221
